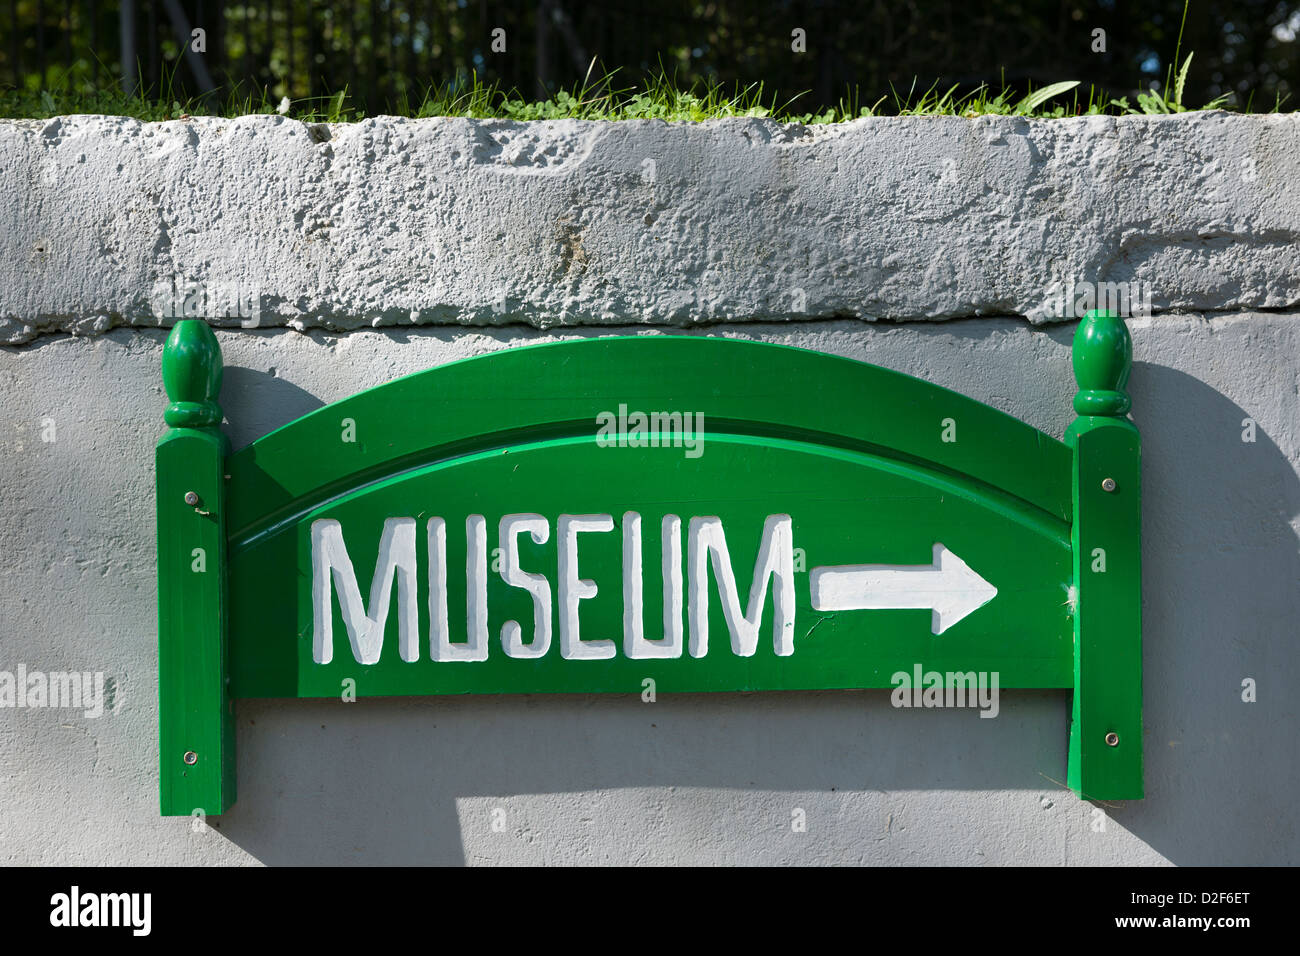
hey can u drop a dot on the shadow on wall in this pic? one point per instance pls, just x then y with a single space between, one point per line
386 781
1221 600
263 403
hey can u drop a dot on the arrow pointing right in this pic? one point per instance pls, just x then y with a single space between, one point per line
949 587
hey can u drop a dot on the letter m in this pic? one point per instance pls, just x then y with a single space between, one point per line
115 909
775 559
1114 297
332 570
964 686
65 689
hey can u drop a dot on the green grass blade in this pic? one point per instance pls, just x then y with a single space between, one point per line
1181 82
1035 100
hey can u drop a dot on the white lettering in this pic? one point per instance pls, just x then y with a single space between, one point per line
365 630
574 589
535 584
775 558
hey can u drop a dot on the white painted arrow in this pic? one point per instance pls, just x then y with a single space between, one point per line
949 588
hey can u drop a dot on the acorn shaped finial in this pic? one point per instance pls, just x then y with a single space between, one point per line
1102 358
191 369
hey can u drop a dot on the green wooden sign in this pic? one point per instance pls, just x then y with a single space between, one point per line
704 513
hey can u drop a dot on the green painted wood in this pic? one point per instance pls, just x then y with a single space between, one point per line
1105 757
855 454
847 508
845 470
555 390
196 710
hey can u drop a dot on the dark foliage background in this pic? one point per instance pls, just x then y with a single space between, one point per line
384 50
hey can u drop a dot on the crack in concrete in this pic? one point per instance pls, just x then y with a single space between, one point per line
766 323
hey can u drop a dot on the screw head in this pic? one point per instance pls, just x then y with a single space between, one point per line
1112 739
190 758
192 499
1108 484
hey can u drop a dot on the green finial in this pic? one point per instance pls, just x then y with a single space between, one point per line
1103 357
191 369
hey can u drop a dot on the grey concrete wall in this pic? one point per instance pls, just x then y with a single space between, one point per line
693 778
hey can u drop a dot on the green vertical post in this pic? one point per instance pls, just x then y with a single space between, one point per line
1106 730
196 712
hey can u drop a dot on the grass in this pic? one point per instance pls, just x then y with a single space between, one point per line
658 98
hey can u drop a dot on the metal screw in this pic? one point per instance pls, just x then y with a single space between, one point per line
191 757
1112 739
1108 484
192 499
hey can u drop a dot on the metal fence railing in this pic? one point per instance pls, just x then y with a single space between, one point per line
380 50
385 52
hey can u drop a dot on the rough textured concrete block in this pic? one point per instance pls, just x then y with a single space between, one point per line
393 222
